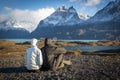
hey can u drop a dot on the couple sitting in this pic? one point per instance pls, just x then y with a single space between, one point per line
49 57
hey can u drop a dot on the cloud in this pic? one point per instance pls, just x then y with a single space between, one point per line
87 2
31 16
92 2
7 8
27 15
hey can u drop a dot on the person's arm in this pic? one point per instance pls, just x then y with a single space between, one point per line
59 50
40 58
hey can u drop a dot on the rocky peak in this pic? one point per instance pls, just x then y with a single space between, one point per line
62 16
62 8
65 9
71 9
84 16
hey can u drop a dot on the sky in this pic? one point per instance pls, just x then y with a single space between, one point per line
36 10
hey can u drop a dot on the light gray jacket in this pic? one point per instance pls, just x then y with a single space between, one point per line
34 58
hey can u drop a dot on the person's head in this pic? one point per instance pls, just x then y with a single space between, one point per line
47 41
34 42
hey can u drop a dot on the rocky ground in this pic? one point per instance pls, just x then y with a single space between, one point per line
84 67
95 65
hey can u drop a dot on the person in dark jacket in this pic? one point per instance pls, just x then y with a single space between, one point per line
53 56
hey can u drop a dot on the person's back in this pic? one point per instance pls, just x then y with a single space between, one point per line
52 55
33 56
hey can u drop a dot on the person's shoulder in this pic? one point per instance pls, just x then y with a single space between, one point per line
42 48
38 49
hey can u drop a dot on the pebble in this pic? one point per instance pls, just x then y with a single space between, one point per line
86 67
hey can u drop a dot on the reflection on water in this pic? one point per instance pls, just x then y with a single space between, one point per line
86 48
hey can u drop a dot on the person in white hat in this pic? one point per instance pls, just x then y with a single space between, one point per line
34 58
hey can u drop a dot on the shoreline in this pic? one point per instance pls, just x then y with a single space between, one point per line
57 40
92 65
11 46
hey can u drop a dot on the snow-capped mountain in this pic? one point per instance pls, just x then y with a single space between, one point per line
68 25
13 24
109 13
14 33
62 16
84 16
11 29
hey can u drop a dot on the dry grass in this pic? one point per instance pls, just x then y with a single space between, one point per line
84 66
13 47
7 47
106 43
75 52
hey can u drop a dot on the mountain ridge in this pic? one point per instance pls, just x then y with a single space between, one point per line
111 12
97 27
62 16
65 23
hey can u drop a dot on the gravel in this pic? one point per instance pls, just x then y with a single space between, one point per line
84 67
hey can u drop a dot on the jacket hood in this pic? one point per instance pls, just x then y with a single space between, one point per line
34 42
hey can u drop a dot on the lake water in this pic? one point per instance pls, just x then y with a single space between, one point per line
89 48
83 48
79 40
24 40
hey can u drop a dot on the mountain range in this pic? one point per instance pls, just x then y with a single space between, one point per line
62 16
110 12
66 23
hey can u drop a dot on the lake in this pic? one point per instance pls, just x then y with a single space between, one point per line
24 40
89 48
83 48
